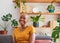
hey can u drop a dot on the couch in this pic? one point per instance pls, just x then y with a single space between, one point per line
39 39
6 39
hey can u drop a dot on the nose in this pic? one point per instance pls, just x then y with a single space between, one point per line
22 20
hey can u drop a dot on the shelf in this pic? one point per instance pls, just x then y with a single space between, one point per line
42 13
39 1
14 1
42 27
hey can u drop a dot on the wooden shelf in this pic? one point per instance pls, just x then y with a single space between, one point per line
14 1
42 13
41 1
38 1
58 1
42 27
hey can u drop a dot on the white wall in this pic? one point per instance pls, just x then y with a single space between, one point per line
7 6
52 18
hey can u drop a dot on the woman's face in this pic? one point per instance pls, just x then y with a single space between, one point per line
23 20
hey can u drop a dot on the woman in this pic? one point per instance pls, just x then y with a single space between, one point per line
24 34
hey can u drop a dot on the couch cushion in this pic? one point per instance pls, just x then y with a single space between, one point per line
42 41
6 39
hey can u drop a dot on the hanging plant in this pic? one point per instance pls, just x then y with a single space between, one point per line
51 7
18 2
6 19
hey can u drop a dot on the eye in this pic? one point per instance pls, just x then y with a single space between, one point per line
24 18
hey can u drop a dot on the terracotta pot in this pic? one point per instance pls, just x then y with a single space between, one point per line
3 32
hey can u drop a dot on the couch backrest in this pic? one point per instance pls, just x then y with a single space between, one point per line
6 39
43 37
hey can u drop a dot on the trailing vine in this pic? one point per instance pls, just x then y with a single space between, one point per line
18 2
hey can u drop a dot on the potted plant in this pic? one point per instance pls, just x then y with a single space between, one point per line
56 31
23 4
35 20
18 2
5 20
51 7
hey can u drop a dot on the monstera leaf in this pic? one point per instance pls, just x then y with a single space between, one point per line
58 20
56 31
57 28
55 35
7 17
14 23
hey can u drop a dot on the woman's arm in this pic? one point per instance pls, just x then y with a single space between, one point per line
32 38
14 40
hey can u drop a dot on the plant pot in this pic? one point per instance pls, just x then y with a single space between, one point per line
36 24
51 10
4 32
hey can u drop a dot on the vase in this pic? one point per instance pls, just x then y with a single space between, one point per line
51 10
35 24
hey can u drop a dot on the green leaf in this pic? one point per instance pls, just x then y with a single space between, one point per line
55 35
35 19
56 31
58 20
18 3
32 18
54 39
5 28
7 17
24 1
50 7
14 23
15 7
57 28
